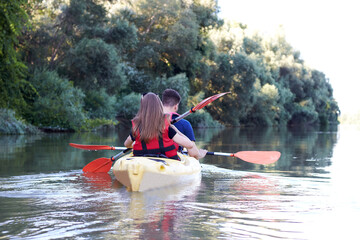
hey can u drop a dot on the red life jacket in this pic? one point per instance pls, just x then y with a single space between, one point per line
156 147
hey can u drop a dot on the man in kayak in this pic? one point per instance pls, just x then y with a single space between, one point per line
151 133
171 100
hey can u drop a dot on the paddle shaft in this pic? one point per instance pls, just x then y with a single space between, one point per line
118 148
104 147
182 116
256 156
220 154
103 164
208 153
117 156
202 104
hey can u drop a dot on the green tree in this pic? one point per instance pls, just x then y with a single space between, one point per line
150 45
58 103
122 34
236 74
321 93
13 87
265 110
94 64
99 104
172 38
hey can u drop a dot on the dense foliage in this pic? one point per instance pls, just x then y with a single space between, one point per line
9 124
13 88
91 59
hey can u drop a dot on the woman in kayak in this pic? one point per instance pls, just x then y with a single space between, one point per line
152 134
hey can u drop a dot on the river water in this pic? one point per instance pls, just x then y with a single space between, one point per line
310 193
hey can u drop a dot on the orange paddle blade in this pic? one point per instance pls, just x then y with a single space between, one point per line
98 165
91 147
258 157
208 100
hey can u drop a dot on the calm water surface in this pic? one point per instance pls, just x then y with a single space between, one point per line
310 193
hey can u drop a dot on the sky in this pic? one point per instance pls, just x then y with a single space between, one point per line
326 33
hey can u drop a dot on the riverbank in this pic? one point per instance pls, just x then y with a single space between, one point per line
10 124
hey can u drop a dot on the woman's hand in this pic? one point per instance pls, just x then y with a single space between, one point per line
202 153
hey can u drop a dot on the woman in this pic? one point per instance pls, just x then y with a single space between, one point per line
152 134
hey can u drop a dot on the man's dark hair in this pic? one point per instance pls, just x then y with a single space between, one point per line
170 97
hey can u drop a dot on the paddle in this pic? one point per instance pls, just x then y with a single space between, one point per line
95 147
200 105
103 164
257 157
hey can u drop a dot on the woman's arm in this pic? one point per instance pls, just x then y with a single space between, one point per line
128 142
177 131
190 146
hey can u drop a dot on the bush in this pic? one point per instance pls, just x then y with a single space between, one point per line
128 106
9 124
140 82
304 113
58 104
99 104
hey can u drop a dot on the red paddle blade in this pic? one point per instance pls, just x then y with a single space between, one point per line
258 157
208 100
98 165
91 147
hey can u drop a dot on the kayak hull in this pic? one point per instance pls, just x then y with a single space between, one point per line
146 173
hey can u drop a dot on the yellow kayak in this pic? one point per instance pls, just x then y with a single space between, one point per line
145 173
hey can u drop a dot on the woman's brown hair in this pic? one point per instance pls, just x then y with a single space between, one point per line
149 120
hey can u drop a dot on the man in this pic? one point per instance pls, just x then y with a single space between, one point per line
171 100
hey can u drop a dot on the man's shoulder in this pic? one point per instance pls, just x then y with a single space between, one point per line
183 122
174 115
185 127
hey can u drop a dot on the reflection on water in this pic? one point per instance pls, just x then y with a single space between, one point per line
304 151
51 152
310 193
